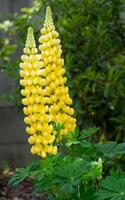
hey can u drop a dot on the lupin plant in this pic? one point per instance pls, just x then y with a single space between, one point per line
46 98
76 172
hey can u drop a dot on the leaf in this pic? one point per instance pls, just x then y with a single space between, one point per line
41 185
58 127
67 173
76 132
88 133
112 188
74 138
68 144
111 149
22 173
73 135
19 176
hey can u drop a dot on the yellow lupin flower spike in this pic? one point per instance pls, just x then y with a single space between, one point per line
35 101
59 100
46 97
48 18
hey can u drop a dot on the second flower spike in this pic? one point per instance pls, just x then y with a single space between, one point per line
59 99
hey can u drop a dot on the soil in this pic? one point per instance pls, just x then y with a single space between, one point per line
23 192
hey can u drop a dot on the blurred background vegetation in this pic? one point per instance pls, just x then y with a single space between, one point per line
93 40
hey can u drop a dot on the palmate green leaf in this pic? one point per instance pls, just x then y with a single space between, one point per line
19 176
111 149
113 188
68 172
22 173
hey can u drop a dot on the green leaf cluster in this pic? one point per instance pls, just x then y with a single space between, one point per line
112 188
80 172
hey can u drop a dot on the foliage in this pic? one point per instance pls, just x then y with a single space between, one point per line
113 187
22 173
93 38
111 149
78 172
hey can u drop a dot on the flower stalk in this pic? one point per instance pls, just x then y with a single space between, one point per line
45 97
